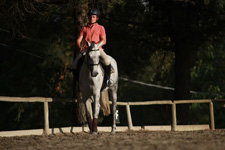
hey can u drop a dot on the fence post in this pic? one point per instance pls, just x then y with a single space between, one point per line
129 119
211 114
174 117
46 118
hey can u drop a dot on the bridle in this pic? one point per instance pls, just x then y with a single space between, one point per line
90 62
88 57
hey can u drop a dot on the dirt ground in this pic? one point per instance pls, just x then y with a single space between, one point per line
132 140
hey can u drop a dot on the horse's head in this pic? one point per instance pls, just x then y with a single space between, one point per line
93 57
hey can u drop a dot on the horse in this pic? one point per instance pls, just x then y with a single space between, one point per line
91 78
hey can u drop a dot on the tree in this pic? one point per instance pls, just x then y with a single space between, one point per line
189 24
80 10
36 47
180 26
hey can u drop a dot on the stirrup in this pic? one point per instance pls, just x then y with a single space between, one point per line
109 82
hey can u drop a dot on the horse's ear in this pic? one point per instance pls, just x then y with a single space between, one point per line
88 43
100 44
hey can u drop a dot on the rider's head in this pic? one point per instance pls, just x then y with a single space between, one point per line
93 15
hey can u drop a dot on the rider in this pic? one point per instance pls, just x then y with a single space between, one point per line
93 32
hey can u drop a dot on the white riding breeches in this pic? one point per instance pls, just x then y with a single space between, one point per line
105 59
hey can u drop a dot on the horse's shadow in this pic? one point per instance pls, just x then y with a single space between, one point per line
61 131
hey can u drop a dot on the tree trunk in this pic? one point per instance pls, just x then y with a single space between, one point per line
182 37
80 8
182 80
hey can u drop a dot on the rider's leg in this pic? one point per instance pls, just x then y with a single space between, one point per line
75 69
107 64
75 62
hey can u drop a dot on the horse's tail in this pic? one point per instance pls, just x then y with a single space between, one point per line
104 102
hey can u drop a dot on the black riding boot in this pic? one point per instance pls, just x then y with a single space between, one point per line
76 82
109 82
76 74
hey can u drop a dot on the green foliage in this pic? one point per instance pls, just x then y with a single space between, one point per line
33 64
207 74
199 114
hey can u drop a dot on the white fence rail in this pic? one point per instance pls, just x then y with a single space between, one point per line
174 126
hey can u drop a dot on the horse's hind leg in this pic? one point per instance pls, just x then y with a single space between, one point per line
113 97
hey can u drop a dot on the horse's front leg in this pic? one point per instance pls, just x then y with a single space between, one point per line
89 114
96 112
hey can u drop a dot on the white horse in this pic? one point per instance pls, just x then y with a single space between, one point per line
91 81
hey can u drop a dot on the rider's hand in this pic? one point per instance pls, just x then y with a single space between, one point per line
81 50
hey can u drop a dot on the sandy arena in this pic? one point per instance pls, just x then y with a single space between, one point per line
132 140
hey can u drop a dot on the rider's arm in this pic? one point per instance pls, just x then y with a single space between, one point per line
79 39
102 38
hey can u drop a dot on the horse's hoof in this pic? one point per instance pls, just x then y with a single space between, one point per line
94 133
113 130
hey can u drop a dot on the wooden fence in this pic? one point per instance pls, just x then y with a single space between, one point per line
174 126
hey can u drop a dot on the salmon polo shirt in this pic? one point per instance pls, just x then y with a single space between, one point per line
93 33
